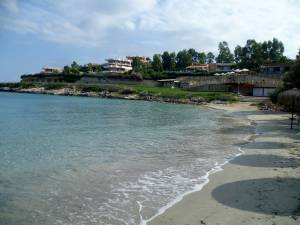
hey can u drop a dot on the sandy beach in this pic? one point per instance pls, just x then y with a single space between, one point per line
261 186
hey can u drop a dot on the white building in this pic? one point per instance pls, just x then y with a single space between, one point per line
118 65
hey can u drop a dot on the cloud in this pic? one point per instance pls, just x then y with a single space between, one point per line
72 21
171 24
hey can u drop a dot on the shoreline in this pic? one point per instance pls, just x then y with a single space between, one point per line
106 95
190 210
216 169
199 187
129 93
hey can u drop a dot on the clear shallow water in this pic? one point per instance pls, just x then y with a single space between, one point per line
71 160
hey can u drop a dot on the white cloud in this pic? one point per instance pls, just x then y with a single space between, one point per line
9 5
172 23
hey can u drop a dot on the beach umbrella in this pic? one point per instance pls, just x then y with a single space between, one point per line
291 100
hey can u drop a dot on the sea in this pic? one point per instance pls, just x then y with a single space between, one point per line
91 161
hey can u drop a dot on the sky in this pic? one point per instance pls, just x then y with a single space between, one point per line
37 33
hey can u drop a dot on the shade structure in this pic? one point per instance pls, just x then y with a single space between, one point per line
291 100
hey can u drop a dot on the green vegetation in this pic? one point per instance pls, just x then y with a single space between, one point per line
210 57
225 56
157 65
27 85
76 69
10 85
290 80
178 93
172 64
138 89
254 54
54 86
298 55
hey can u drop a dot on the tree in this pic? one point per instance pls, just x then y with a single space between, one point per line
183 59
74 65
292 78
225 56
137 64
273 51
277 50
298 56
201 57
250 56
157 63
238 55
169 61
197 57
210 58
194 54
66 70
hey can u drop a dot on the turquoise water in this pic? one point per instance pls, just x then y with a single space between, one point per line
72 160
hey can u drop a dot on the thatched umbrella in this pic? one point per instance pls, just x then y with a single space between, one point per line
291 100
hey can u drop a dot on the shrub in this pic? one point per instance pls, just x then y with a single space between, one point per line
54 86
27 85
91 88
126 91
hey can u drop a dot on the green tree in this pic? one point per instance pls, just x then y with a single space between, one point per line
85 69
292 78
238 55
277 50
168 61
66 70
210 58
250 56
137 64
225 56
272 51
183 59
201 57
75 68
157 63
194 54
74 65
298 56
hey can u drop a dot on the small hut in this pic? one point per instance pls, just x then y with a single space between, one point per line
291 100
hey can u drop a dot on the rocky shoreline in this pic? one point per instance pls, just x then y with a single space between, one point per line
107 94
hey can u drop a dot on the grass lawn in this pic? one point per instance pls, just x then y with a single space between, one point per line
179 93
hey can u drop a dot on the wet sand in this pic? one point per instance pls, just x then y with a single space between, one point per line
262 186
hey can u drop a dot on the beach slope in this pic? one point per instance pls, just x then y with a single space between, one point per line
262 186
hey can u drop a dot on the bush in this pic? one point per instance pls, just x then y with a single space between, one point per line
10 85
92 88
126 91
27 85
274 95
54 86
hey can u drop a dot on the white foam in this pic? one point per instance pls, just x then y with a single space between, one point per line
217 168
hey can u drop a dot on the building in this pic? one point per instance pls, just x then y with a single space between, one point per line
213 67
275 68
51 70
117 65
245 84
171 83
262 91
223 67
198 67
